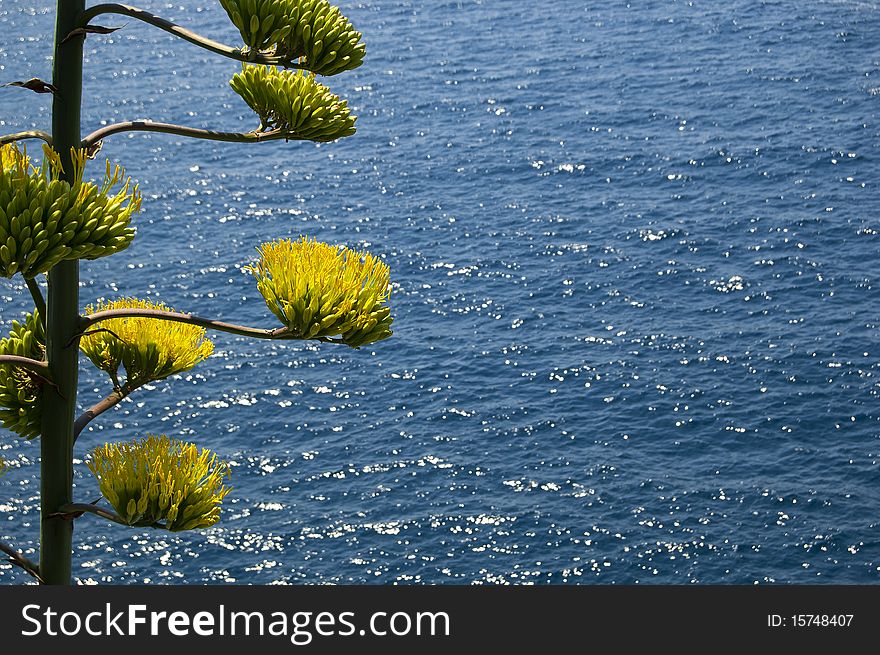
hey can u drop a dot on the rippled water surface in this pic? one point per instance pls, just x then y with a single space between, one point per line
637 306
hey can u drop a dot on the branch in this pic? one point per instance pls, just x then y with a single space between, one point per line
182 130
93 412
21 136
120 393
20 560
75 510
282 333
40 368
74 340
39 301
238 54
179 317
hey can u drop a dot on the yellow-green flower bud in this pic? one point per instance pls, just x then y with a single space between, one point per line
311 31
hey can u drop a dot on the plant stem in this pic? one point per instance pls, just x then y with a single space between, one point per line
86 508
99 408
20 560
21 136
182 130
185 34
37 295
178 317
59 402
41 368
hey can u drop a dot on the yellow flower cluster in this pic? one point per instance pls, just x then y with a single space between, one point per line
150 349
319 290
19 390
45 220
313 30
161 482
294 102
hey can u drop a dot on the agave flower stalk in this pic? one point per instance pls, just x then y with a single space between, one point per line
51 217
62 317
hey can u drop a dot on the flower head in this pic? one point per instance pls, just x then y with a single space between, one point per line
319 290
161 482
150 349
294 102
45 220
311 30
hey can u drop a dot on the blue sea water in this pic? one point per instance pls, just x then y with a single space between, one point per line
634 248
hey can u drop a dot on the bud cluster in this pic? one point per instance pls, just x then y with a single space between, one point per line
45 220
311 30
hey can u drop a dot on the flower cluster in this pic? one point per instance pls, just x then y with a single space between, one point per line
161 482
150 349
294 102
311 30
319 290
45 220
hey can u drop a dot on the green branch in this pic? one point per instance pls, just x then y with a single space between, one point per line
20 560
40 368
185 34
182 130
58 402
39 301
21 136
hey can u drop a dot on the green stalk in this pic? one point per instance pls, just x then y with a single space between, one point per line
59 402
